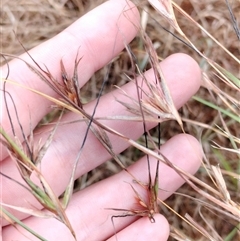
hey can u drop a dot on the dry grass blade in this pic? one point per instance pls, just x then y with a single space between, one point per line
227 204
184 219
221 184
104 139
165 8
39 154
199 227
210 206
32 212
230 101
209 127
177 234
217 146
217 42
213 231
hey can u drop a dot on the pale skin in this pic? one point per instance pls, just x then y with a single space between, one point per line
100 34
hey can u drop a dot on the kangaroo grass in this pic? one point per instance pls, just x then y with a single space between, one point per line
26 162
70 93
210 198
27 167
150 206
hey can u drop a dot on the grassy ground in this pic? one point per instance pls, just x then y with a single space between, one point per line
211 116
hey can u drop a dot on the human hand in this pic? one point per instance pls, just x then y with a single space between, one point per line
98 35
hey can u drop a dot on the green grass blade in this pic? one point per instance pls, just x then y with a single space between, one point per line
233 234
20 223
229 75
213 106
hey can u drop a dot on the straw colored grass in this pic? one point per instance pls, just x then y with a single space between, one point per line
212 115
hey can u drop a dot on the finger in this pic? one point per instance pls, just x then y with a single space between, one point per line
87 209
100 34
180 70
144 230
